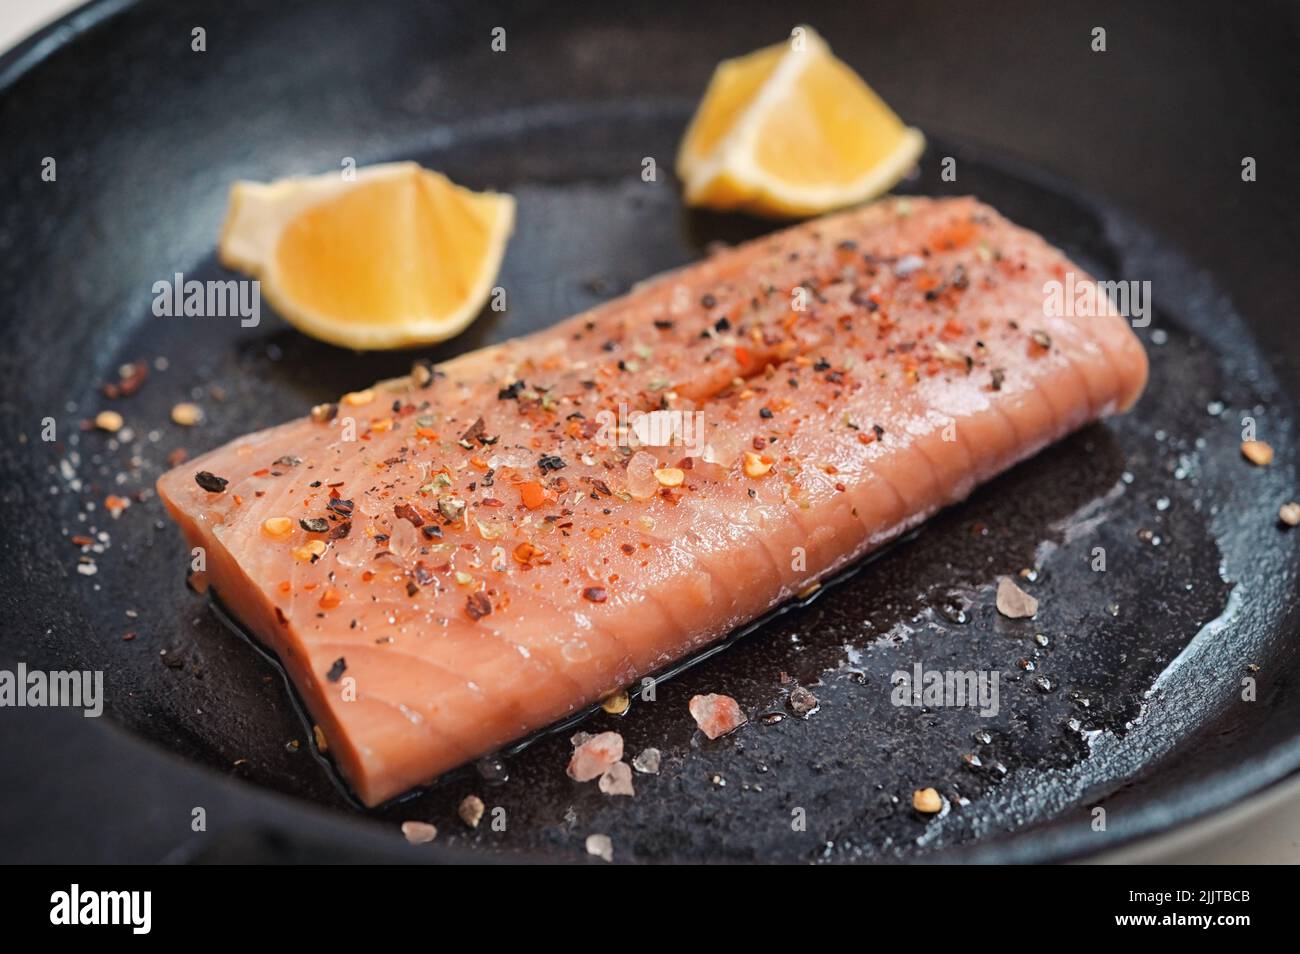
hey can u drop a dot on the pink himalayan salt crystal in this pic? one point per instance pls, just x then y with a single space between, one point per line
647 763
617 780
716 715
594 754
602 846
1013 602
419 833
641 481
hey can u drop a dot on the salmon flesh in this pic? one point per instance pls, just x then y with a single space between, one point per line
450 562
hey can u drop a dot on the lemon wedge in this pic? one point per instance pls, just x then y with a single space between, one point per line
790 131
393 257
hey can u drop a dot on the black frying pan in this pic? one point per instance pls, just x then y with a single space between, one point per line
1134 702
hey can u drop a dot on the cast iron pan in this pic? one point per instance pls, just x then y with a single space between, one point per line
1126 693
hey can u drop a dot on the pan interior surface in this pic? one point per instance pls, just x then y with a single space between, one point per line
1166 585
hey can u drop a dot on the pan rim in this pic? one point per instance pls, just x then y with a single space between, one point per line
1179 806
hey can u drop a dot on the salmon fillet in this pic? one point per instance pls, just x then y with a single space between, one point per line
449 562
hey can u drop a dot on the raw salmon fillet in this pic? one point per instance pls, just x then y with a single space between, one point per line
449 562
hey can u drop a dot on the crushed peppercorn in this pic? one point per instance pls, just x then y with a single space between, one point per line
211 482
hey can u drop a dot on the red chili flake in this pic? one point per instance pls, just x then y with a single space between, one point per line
128 383
405 511
475 432
596 594
477 605
599 486
953 329
532 495
177 457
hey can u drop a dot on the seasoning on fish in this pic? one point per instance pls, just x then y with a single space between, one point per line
277 527
455 647
211 482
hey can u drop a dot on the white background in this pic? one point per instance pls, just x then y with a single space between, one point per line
20 17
